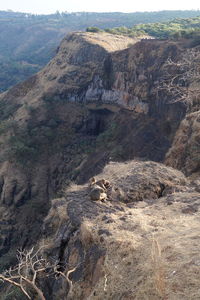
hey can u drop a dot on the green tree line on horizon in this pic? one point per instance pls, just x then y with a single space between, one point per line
28 41
178 28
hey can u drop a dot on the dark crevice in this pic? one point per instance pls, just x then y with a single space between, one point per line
162 188
63 246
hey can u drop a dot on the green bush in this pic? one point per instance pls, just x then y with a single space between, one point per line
93 29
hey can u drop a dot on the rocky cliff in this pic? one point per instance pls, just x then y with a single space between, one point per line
102 98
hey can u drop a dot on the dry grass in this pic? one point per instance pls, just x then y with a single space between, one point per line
138 268
159 269
109 41
151 250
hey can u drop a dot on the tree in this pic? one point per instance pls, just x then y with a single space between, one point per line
181 79
30 269
93 29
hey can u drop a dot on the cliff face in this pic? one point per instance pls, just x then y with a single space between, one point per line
96 101
185 151
45 137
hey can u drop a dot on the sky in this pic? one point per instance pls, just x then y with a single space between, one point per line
51 6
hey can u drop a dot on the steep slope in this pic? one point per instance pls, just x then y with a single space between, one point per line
45 138
185 151
93 103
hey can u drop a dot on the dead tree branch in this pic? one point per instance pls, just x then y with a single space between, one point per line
29 268
32 267
180 81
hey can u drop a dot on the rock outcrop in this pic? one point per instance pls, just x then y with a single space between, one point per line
185 151
141 249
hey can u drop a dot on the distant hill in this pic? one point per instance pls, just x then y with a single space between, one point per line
177 28
28 42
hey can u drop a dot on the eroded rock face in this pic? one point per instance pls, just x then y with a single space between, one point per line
185 151
117 249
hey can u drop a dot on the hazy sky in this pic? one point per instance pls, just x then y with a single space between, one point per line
50 6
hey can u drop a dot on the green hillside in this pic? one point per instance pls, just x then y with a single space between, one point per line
186 28
28 42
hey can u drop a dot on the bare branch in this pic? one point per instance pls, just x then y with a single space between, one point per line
26 272
180 77
32 267
66 276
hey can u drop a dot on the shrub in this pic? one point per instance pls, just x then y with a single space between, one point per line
93 29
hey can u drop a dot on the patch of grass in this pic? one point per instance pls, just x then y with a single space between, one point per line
5 125
22 147
7 260
7 109
158 268
108 135
27 144
14 293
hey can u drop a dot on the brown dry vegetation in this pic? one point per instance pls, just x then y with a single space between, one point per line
147 249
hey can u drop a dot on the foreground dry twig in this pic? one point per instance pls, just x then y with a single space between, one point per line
32 267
